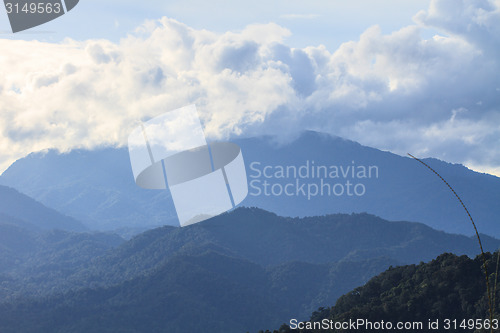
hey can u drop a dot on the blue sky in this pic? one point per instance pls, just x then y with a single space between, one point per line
405 76
311 23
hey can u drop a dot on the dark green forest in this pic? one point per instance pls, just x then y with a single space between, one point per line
449 287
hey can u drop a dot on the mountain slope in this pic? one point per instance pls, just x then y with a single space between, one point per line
23 211
15 242
97 187
268 239
204 292
253 235
399 188
40 261
449 287
240 271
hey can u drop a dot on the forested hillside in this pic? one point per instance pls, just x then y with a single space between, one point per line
449 290
238 272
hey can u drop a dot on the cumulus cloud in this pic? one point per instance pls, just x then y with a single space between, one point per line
474 20
433 97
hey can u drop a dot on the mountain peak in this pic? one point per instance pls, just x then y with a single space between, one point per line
320 173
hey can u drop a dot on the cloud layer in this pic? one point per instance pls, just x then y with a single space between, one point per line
433 97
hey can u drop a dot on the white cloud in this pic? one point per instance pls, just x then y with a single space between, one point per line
474 20
436 97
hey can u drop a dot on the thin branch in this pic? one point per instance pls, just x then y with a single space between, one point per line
491 306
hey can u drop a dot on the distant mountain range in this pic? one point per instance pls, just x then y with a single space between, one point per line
97 187
241 271
20 210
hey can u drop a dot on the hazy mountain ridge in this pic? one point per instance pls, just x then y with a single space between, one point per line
404 189
240 271
97 187
267 239
19 209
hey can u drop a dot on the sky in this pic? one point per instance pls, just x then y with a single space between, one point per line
404 76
